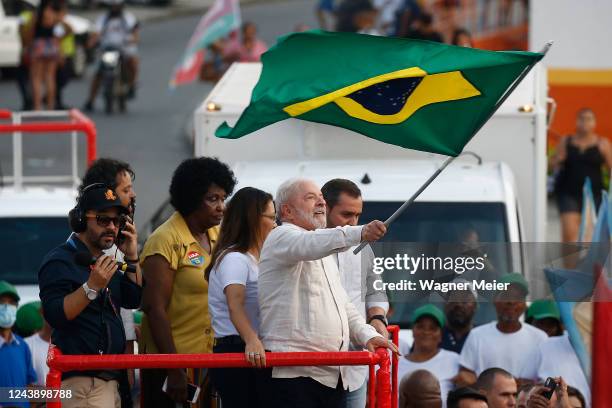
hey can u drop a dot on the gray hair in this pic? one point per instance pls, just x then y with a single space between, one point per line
287 190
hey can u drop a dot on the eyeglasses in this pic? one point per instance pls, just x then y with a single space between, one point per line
105 220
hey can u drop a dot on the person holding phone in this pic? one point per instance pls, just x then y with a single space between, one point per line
553 394
119 176
232 292
81 303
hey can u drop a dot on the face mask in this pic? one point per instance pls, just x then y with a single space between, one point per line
8 315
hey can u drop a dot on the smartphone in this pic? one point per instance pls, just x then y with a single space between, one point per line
551 384
120 237
193 391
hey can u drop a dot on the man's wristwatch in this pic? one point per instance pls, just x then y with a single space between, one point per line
379 317
91 294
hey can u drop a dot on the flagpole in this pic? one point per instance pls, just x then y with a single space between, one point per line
448 161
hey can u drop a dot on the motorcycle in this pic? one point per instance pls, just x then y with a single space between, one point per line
114 79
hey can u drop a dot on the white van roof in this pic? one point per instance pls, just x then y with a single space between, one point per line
392 180
36 201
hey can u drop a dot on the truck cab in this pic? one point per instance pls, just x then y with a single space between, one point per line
28 230
34 203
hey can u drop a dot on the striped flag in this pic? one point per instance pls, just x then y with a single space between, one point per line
222 18
589 284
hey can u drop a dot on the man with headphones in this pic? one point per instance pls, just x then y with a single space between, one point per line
118 175
82 303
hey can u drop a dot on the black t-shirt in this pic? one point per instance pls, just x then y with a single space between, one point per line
99 326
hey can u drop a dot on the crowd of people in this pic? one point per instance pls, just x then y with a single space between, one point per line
49 50
402 17
264 274
409 19
424 20
505 361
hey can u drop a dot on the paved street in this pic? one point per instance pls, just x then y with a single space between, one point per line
151 136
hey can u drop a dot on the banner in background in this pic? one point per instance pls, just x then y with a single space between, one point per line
222 18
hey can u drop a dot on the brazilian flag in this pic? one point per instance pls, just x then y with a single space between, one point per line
415 94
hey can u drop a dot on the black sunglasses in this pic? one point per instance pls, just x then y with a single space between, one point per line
105 220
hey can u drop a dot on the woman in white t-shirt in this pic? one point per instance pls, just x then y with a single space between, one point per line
426 354
232 292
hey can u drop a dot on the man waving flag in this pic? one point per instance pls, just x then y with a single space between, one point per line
415 94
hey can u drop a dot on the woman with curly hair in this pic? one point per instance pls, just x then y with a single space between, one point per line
175 298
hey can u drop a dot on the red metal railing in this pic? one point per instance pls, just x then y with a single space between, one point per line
77 122
382 387
394 331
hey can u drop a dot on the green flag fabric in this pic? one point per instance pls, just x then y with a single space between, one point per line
415 94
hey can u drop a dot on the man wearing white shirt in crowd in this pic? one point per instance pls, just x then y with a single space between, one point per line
506 343
557 357
303 306
344 206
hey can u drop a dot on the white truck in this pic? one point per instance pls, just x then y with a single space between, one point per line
36 195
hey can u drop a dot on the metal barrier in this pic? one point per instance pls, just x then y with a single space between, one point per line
382 384
76 122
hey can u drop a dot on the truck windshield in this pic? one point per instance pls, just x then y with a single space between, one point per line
435 222
440 222
25 241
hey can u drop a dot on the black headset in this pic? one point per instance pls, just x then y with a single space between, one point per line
76 216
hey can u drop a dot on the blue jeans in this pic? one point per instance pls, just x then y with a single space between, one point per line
357 398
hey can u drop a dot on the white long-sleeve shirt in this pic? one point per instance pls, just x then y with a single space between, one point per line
357 278
303 306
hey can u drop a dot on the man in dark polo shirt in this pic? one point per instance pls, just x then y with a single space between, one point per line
82 303
459 309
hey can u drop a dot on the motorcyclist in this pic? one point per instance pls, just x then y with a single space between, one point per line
117 28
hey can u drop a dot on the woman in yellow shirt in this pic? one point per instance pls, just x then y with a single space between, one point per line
175 298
